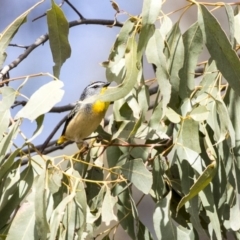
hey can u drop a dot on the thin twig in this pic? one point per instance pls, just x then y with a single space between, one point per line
17 45
45 144
75 10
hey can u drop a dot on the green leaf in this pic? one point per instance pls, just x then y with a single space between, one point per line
7 35
208 81
7 142
113 154
175 59
108 205
8 98
236 24
164 226
55 178
132 74
166 25
81 202
204 179
42 196
226 127
159 185
17 189
206 197
124 213
199 113
143 233
172 116
234 210
193 45
136 172
190 135
220 48
155 55
93 189
143 99
6 166
187 180
120 45
4 121
231 21
116 64
58 29
39 128
57 215
150 12
42 100
24 220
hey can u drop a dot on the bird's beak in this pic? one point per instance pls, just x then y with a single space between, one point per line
106 84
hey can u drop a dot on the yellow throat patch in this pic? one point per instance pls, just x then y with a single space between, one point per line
99 106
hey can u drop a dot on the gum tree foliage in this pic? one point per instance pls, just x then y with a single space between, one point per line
181 148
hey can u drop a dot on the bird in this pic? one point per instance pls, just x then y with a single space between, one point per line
84 118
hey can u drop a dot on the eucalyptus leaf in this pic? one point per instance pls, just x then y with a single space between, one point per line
155 55
24 220
164 225
41 196
172 115
58 29
231 20
199 113
42 100
175 59
200 183
57 215
219 47
236 23
136 172
108 207
39 128
193 45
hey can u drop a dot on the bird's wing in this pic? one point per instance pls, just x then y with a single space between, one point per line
71 116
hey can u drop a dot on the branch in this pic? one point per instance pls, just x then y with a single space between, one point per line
60 109
45 144
42 39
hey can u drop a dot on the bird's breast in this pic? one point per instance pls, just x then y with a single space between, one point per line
99 106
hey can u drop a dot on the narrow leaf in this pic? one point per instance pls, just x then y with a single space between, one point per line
155 55
231 21
193 45
58 28
203 180
220 48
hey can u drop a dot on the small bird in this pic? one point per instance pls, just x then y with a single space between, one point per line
85 117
